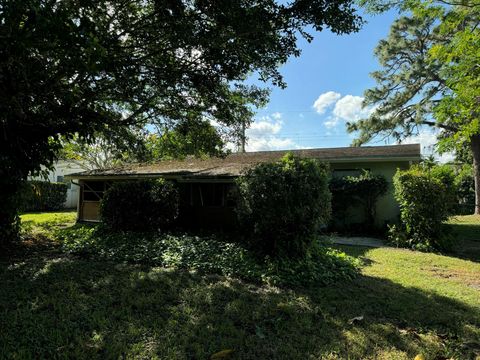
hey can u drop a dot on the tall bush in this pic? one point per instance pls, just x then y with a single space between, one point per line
424 206
363 190
446 175
282 205
43 196
140 205
465 191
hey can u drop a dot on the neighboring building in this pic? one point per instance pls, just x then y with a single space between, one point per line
205 184
58 174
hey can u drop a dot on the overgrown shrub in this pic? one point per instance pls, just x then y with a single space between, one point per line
353 191
43 196
465 191
209 254
424 206
282 204
446 175
459 185
140 205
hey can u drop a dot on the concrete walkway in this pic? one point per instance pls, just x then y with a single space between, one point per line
358 241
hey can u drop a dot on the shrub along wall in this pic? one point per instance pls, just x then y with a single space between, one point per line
43 196
140 205
282 205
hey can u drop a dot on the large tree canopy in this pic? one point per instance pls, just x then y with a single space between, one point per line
81 67
104 150
187 138
430 76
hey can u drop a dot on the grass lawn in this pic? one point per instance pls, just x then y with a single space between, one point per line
58 306
466 229
43 222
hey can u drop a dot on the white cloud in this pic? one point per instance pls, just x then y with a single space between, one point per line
264 127
349 108
277 115
325 100
428 140
345 109
269 143
332 122
263 135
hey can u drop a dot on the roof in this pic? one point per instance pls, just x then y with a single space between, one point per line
233 164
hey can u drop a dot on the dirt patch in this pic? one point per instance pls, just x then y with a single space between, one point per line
469 278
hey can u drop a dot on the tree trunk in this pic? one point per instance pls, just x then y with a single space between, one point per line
10 202
475 144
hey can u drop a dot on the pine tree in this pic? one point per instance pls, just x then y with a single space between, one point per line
430 76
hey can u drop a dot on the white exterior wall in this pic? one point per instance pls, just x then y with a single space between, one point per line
63 168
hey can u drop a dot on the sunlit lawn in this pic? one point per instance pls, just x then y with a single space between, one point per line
53 305
44 221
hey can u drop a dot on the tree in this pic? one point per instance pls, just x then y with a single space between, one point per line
429 77
101 152
86 67
195 138
187 138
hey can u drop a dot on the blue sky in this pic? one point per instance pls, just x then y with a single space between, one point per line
337 67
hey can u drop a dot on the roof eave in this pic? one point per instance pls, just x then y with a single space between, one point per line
186 175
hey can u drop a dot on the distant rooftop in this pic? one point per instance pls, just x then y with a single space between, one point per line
234 164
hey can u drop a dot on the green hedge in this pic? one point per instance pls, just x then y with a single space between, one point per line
282 205
424 205
43 196
140 205
356 191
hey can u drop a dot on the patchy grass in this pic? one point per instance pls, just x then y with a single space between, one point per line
406 302
466 230
73 308
46 222
37 232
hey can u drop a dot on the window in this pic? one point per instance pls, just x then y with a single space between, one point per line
60 178
210 194
93 190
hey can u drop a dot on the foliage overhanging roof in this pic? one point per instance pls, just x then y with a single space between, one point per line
234 164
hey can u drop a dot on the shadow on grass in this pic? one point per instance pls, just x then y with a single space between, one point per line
466 231
66 307
467 241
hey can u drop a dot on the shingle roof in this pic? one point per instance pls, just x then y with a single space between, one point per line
234 164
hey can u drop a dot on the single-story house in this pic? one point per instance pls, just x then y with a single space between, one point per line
205 184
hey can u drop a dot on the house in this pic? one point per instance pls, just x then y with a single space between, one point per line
61 169
206 184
